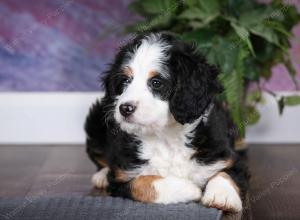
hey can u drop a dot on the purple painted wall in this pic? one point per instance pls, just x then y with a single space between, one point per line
64 45
280 80
58 45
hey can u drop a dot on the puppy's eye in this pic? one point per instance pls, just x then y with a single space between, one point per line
126 81
156 84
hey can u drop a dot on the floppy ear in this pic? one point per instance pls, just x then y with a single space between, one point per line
194 81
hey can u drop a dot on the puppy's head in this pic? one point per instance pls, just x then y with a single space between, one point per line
156 79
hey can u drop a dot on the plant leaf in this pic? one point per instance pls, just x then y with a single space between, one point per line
281 105
234 89
193 3
278 27
266 33
244 34
223 54
287 60
252 115
254 17
292 100
252 72
238 7
153 7
255 96
193 13
198 17
211 6
202 37
147 25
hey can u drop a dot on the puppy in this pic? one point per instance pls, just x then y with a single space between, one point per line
159 135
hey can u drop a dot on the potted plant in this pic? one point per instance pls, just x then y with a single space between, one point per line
244 38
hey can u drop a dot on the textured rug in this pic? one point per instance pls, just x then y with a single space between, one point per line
99 208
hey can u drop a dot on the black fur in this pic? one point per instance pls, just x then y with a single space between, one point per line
192 88
195 83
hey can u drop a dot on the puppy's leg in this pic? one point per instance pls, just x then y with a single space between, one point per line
99 179
156 189
223 193
174 190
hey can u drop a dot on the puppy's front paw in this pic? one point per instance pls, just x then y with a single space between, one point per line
99 179
221 194
174 190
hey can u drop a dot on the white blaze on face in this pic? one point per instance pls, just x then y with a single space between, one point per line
151 113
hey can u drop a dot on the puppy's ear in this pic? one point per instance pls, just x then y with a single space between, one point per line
195 83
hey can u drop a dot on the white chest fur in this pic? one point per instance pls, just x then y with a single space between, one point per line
168 155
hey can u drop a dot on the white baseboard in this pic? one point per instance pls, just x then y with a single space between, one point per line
48 118
275 128
58 118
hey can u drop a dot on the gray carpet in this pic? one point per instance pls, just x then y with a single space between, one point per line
105 208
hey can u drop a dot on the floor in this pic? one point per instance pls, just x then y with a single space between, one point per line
66 170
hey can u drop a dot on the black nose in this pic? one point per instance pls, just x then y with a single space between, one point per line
127 109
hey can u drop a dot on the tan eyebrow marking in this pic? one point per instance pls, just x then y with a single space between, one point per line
128 71
152 74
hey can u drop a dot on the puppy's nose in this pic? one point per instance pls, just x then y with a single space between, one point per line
127 109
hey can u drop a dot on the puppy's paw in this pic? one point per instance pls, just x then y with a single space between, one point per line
221 193
99 179
174 190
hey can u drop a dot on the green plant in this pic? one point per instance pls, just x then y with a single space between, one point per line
244 38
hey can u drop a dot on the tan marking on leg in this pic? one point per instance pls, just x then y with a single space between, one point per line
229 162
128 71
142 188
121 175
152 74
102 162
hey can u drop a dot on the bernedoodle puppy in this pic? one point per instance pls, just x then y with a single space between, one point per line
159 135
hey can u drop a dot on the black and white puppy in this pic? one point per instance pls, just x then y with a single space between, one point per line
158 134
